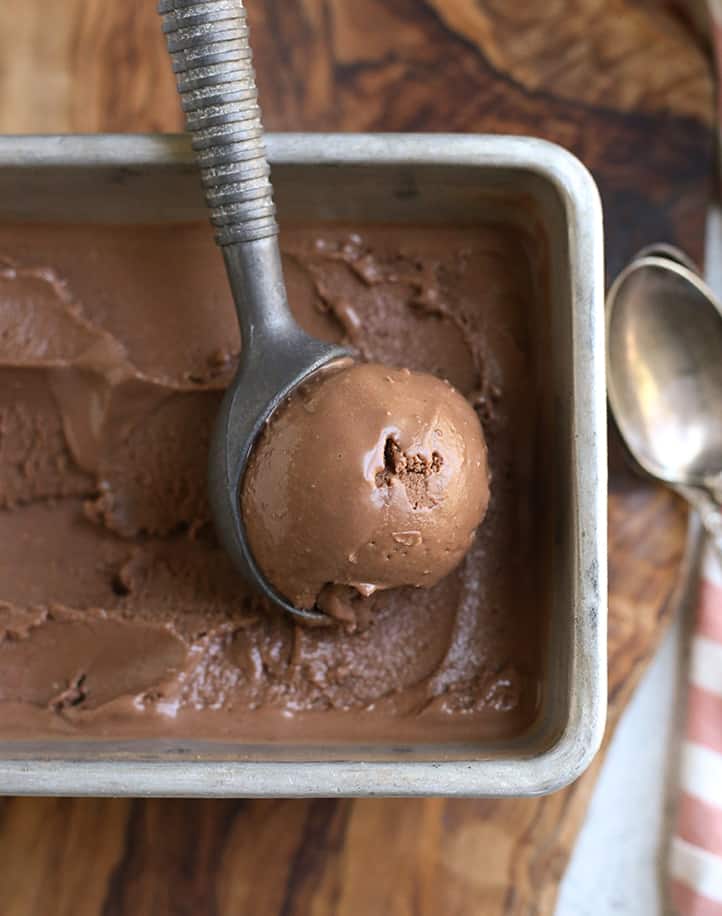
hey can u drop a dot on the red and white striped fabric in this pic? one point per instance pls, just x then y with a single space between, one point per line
695 864
696 850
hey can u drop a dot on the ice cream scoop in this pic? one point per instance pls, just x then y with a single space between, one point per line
426 496
211 56
367 478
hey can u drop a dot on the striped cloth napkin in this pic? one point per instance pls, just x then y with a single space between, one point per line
696 850
695 863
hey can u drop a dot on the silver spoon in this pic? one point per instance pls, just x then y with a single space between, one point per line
664 366
209 48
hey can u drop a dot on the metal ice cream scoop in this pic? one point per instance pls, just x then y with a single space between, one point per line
209 48
664 363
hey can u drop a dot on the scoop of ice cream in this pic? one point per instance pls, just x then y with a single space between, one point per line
367 477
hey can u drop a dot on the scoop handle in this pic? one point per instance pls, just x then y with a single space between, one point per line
211 55
210 51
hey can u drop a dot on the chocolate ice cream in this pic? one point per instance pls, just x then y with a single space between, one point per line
368 477
119 613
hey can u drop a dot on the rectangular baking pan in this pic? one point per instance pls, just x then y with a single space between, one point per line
456 179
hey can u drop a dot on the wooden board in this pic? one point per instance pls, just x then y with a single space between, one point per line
622 83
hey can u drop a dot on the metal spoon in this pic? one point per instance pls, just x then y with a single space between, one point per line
664 366
209 48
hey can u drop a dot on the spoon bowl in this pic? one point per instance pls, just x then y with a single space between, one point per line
664 366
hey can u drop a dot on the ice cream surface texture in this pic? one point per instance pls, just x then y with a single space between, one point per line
120 614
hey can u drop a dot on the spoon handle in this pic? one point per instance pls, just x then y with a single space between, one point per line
209 47
709 511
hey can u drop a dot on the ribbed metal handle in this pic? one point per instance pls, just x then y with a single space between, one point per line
211 55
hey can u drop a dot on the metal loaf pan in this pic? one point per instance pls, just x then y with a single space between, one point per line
459 179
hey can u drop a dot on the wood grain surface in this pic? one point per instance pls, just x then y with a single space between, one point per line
624 84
